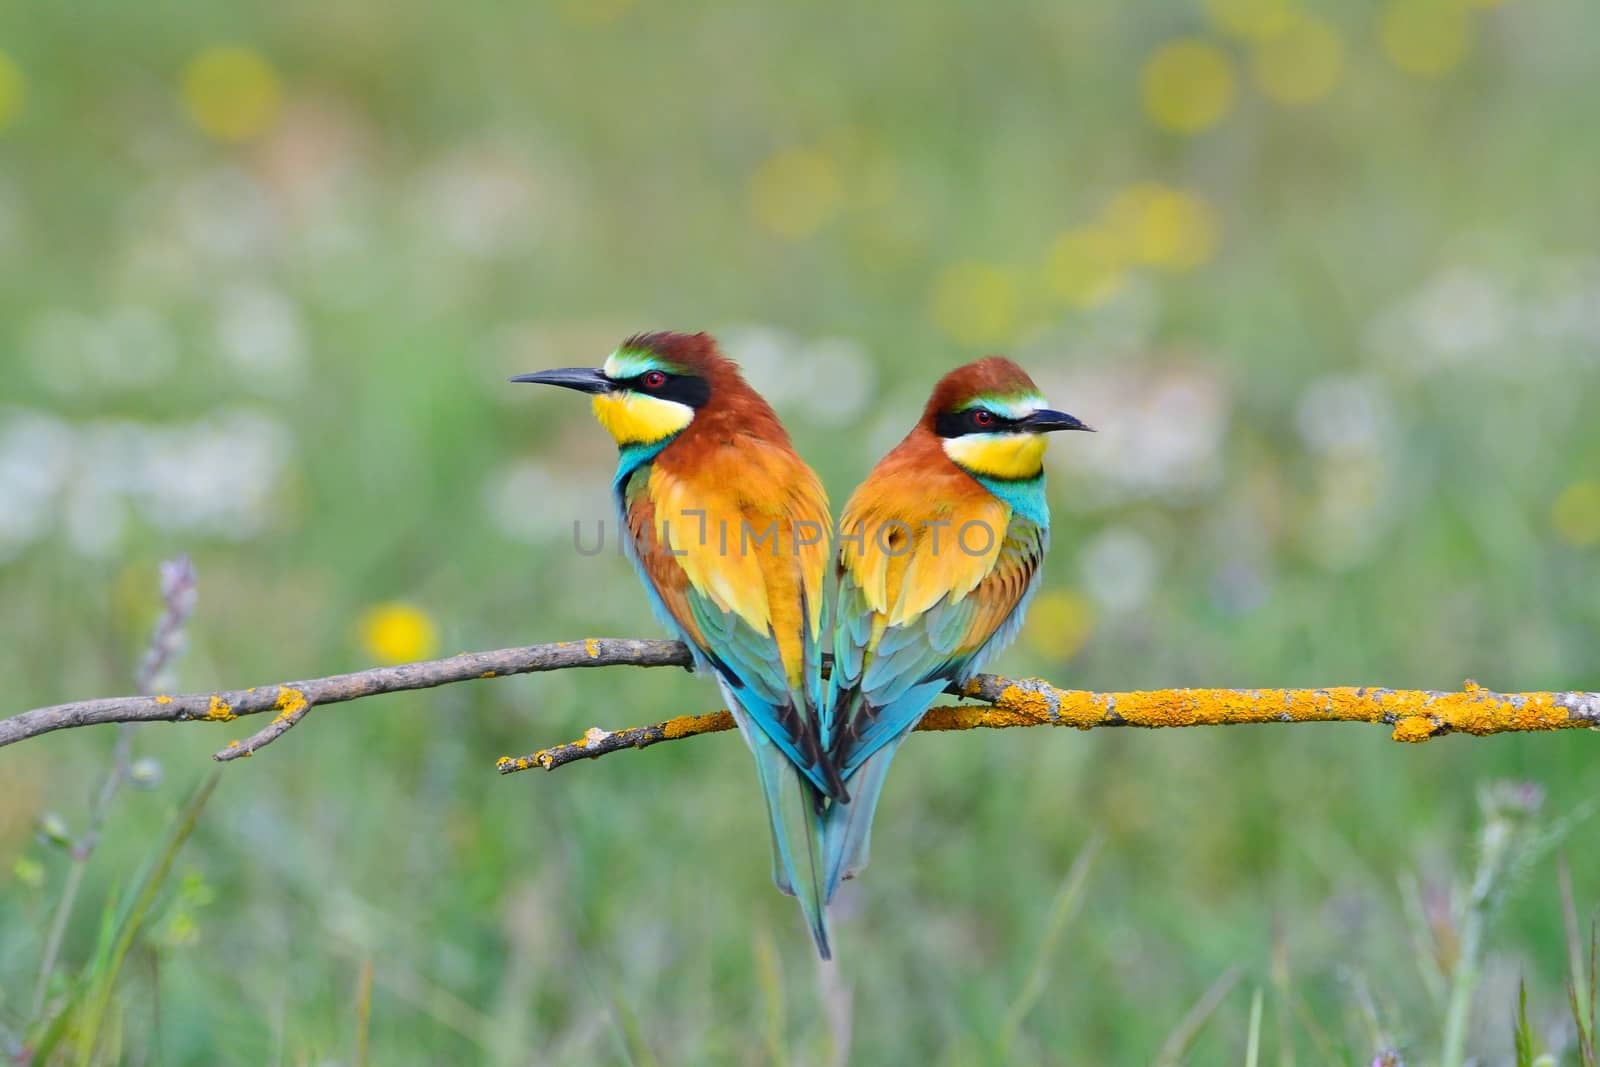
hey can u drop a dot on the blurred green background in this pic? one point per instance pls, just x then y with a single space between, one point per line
1323 276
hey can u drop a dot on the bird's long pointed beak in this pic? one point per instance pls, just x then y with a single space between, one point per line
583 379
1045 420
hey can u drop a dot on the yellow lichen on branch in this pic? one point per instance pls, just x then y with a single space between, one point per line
1414 715
291 702
219 710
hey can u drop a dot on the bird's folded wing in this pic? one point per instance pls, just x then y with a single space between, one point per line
899 640
741 575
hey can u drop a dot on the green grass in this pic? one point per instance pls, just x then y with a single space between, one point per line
1351 448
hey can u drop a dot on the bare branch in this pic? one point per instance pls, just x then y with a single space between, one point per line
227 705
1414 715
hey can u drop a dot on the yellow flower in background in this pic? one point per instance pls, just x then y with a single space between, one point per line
1059 623
231 92
1576 514
976 303
1428 38
1253 20
13 88
397 632
1165 227
1087 266
1188 85
1301 64
794 192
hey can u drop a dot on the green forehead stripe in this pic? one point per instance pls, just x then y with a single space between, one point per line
1011 405
630 362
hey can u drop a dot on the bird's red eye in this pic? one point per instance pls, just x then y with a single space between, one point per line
982 418
654 379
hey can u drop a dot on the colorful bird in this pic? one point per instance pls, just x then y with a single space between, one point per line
939 554
729 530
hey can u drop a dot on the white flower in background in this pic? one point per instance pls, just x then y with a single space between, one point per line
480 200
763 353
1566 306
216 477
259 333
1347 422
226 216
1345 413
73 352
828 381
840 380
35 462
1463 310
1350 513
538 503
1160 432
1118 568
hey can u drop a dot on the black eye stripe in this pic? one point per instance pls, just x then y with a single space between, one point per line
681 388
961 423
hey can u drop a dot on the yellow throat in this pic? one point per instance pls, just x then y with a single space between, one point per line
1011 456
635 419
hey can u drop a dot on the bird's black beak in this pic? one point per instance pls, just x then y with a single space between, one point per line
583 379
1044 421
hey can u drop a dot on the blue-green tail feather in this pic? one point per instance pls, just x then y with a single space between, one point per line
794 812
847 827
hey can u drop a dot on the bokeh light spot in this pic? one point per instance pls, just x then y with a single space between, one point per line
1576 514
1300 65
1428 38
13 89
1059 623
1165 227
1087 265
232 93
976 303
1253 20
397 632
1189 85
795 192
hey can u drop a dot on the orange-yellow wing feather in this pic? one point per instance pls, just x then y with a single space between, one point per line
735 548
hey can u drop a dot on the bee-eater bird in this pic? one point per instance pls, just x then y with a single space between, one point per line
939 553
729 531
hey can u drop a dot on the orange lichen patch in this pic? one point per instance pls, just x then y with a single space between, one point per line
219 711
290 702
1417 715
592 647
1083 710
487 674
1413 729
689 725
163 699
520 763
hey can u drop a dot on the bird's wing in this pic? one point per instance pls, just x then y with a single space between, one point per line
736 559
909 624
